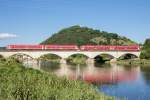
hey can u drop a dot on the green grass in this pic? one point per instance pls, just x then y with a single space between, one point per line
19 83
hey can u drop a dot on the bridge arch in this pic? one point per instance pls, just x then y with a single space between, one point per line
49 56
103 57
78 53
129 55
77 58
105 54
21 56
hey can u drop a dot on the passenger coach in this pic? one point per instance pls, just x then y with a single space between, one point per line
74 47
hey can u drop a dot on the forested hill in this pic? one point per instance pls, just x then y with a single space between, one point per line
84 35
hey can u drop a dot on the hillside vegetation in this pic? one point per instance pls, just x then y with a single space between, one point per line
84 35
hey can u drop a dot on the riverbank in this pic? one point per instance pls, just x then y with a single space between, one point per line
134 62
20 83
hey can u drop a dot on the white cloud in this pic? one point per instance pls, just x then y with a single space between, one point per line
7 35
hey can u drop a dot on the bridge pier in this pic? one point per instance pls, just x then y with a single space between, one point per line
90 61
63 61
114 60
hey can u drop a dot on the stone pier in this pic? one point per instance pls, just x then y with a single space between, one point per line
63 61
90 61
114 60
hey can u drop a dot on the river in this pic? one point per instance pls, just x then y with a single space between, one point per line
129 82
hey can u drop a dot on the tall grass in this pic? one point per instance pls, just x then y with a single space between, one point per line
19 83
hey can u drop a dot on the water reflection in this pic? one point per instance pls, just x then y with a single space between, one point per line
108 73
145 70
131 82
49 66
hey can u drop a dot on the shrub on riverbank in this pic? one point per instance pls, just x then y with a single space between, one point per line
145 54
19 83
134 62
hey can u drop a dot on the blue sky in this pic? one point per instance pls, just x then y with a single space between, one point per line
31 21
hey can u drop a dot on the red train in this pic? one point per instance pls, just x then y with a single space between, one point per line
110 48
25 47
42 47
74 47
60 47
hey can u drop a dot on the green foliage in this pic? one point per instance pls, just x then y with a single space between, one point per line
1 56
2 59
19 83
51 57
77 59
145 54
84 35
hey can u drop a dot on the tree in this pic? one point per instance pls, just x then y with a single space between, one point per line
145 54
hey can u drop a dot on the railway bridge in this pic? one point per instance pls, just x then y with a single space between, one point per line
65 54
65 51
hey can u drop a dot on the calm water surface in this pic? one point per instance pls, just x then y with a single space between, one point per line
130 82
